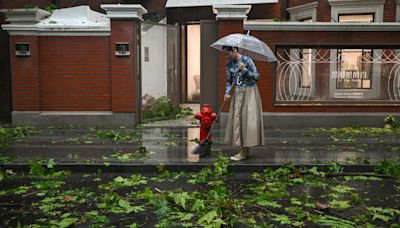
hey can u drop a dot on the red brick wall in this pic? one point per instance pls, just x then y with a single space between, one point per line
75 73
275 37
389 14
25 76
123 68
324 12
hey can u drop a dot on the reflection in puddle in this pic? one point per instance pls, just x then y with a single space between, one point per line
191 134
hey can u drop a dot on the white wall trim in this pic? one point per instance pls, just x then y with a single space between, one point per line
357 6
321 26
302 12
33 30
231 12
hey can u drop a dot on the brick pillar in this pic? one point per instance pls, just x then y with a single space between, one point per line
24 69
230 19
125 19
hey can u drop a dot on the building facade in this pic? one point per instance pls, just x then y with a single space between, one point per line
339 60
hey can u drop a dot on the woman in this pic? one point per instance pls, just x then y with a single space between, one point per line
245 123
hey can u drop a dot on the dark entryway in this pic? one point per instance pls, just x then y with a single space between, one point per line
5 78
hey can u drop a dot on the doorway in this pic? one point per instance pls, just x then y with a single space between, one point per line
159 78
193 77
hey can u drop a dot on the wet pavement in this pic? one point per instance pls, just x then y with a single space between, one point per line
148 177
173 146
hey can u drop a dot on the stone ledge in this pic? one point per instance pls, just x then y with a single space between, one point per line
99 119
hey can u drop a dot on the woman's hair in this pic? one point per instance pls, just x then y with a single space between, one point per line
229 48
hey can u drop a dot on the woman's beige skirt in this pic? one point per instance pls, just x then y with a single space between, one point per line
245 123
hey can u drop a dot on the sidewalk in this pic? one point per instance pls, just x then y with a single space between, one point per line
146 148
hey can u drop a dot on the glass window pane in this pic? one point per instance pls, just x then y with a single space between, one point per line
306 68
330 75
354 71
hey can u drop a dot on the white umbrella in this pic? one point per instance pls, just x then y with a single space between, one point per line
247 45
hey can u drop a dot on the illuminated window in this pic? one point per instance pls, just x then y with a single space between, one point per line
356 17
306 66
353 72
354 69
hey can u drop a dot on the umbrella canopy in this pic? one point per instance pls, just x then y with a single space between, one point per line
247 45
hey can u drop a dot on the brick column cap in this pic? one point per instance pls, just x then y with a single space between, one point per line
231 12
25 16
124 11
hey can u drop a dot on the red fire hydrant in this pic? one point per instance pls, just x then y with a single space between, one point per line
206 117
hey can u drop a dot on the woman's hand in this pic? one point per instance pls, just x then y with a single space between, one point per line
242 66
227 97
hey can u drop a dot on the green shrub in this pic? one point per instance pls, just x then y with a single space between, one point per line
392 122
183 111
162 107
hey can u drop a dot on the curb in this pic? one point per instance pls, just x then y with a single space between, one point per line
236 168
